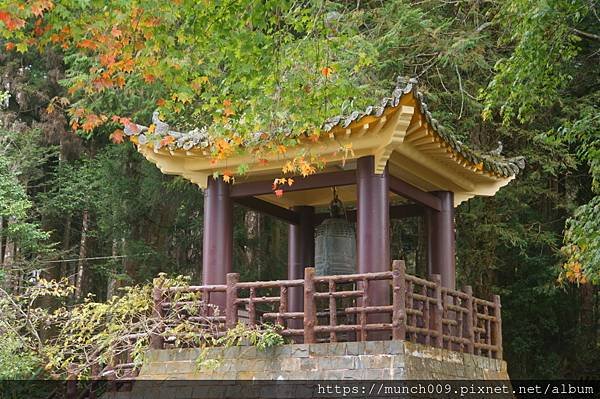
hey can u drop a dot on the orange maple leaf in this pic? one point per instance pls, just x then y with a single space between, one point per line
11 22
326 71
227 176
128 65
117 136
87 43
116 32
167 140
9 46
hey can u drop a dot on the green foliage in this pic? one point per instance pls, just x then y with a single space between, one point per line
541 63
17 362
582 238
206 364
263 337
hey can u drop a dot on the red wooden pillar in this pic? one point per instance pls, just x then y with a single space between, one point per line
301 254
442 240
217 250
373 230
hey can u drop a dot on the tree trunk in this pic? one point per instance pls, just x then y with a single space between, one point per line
82 254
64 267
10 280
1 240
110 288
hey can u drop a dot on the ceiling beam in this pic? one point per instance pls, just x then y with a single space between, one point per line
396 212
413 193
406 211
269 209
322 180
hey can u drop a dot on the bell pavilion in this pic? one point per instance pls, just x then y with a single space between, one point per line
358 314
402 164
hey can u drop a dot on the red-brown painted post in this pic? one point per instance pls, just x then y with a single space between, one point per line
301 254
111 376
398 300
373 232
217 250
283 304
468 326
95 372
231 296
156 338
310 308
71 382
497 331
438 314
442 240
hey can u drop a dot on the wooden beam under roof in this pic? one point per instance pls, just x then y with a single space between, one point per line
267 208
323 180
396 212
415 194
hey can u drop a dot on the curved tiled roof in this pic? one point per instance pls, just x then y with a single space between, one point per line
492 163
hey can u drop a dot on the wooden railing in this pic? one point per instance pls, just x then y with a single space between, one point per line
339 308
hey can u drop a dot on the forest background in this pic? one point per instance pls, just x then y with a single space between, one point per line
78 201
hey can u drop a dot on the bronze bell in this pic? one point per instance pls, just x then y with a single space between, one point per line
335 242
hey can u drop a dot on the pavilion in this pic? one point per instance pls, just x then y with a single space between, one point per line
403 163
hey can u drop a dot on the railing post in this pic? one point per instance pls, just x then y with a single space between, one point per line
231 314
310 309
468 324
71 382
399 300
95 372
156 338
111 376
497 331
439 311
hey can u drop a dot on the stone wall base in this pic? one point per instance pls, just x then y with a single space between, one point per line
373 360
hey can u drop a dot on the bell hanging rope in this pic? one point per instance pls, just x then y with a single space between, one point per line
335 242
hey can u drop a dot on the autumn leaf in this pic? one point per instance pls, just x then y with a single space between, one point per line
92 121
314 137
227 176
166 140
117 136
128 65
9 46
11 22
279 193
326 71
290 181
115 32
87 43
